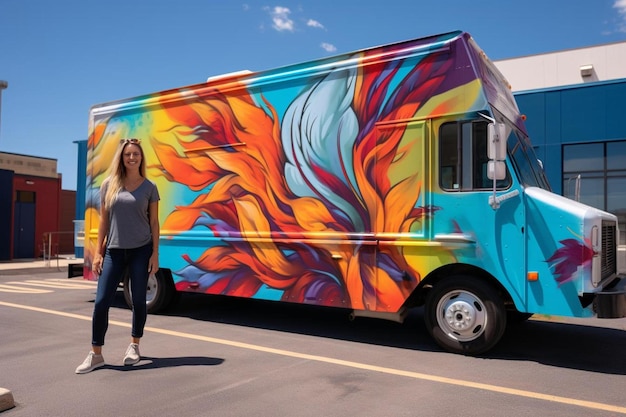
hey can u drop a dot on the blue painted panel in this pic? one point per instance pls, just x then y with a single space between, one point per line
81 179
542 110
574 114
554 162
616 111
533 106
81 186
584 114
6 200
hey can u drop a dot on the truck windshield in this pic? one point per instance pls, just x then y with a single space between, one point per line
525 162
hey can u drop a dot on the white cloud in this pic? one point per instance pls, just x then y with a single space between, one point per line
246 7
620 5
314 24
328 47
280 17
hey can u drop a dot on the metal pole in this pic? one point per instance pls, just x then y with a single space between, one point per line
47 263
3 85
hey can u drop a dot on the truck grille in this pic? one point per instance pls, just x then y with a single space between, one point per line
609 249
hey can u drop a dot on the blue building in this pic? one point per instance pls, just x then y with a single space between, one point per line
575 107
579 133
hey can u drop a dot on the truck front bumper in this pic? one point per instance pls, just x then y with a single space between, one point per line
610 303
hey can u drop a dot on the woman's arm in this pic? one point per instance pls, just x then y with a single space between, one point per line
103 231
153 211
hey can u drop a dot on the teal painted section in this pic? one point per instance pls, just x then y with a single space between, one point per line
499 239
81 184
557 252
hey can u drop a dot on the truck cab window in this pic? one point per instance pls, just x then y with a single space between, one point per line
463 157
525 162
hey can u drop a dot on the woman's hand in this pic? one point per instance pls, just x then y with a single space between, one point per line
96 264
153 264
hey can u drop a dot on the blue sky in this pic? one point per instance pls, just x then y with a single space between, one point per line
60 57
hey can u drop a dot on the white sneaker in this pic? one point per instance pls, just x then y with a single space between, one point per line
90 363
132 354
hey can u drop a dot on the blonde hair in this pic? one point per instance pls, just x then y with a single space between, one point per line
117 171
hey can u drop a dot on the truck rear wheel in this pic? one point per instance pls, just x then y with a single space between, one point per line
159 292
465 315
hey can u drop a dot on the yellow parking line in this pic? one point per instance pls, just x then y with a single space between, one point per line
357 365
52 284
21 290
69 282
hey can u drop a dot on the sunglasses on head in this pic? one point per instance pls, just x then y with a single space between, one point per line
133 140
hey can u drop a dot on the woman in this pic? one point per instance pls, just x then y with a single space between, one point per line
128 240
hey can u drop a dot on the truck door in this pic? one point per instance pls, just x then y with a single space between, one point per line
24 225
465 224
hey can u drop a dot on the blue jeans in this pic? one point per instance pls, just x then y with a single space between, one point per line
116 262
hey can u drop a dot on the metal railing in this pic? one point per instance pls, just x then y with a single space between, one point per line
48 245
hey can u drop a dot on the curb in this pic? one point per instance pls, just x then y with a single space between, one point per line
38 270
6 399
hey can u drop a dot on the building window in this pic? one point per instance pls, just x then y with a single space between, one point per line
25 196
595 174
616 156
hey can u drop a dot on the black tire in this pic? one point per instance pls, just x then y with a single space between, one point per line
159 294
465 315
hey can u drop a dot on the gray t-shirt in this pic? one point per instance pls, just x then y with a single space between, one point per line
129 222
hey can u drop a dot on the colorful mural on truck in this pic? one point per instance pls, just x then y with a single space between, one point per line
279 185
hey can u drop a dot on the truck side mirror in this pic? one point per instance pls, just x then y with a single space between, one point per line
496 135
496 169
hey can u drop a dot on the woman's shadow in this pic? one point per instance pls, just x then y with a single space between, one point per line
149 362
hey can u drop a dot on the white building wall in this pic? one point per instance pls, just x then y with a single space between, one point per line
29 165
608 62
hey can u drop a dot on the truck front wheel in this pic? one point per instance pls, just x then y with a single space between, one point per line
465 315
159 291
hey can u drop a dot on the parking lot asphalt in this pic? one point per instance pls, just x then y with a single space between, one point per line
40 265
68 263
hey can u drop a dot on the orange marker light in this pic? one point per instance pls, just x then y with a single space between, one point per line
532 276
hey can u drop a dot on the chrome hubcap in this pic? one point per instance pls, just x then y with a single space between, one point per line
461 315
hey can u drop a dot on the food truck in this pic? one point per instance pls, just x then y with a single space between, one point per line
376 181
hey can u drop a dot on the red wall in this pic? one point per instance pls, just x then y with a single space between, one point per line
47 201
67 215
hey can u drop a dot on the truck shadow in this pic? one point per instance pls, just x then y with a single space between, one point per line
574 346
565 345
